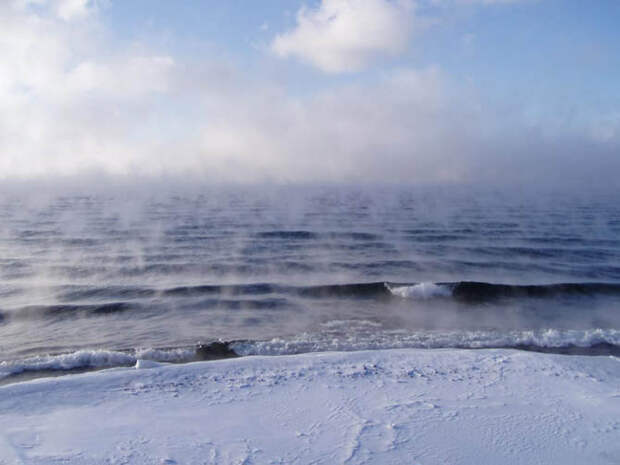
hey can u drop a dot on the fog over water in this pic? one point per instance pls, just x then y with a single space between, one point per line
292 269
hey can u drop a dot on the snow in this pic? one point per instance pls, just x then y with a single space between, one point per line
395 406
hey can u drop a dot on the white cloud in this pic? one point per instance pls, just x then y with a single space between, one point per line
66 10
482 2
127 77
62 107
345 35
69 10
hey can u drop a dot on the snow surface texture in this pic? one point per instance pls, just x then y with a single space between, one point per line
405 406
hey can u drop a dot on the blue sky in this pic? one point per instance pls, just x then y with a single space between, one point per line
324 90
553 49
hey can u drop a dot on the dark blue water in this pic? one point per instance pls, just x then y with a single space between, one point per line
99 280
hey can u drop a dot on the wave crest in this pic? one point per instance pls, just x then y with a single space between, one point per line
92 359
547 340
421 290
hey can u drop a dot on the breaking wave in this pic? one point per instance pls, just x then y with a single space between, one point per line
367 337
92 359
420 291
472 291
579 342
466 291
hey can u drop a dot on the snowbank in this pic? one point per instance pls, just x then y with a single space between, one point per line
409 406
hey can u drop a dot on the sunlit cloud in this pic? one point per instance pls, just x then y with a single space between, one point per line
346 35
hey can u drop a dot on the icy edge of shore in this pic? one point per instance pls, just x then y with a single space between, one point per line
384 406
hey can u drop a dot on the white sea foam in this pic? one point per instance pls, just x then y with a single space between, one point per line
312 342
421 290
92 359
366 337
166 355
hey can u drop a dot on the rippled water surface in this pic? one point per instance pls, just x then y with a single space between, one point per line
102 279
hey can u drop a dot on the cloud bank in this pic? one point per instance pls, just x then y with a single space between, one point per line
73 104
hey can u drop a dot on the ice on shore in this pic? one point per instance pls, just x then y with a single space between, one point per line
409 406
142 364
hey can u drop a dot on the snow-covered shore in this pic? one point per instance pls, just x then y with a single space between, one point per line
404 406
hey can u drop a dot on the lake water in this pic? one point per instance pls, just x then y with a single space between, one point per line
100 280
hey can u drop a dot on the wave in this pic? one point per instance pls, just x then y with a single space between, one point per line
273 296
358 290
288 235
467 291
578 342
368 337
94 359
306 235
65 310
240 289
472 291
421 290
464 291
72 293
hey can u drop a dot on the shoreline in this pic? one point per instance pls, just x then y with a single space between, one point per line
590 342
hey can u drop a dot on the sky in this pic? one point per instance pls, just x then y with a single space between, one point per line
384 91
